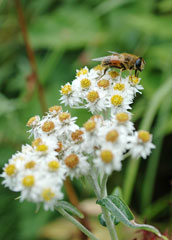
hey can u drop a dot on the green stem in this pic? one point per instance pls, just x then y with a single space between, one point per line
76 223
101 192
132 169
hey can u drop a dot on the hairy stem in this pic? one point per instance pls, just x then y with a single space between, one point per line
101 191
76 223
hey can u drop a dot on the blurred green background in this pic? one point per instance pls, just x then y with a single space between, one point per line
65 36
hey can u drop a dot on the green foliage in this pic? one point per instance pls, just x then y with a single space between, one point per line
120 210
69 208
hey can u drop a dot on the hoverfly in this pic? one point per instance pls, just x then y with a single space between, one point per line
122 61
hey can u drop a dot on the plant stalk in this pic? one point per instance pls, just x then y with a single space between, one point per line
101 192
76 223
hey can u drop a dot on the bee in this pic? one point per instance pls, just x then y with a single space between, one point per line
122 61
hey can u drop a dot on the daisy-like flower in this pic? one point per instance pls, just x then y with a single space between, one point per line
66 123
97 100
108 159
82 73
140 144
120 102
76 164
70 96
91 136
122 122
134 82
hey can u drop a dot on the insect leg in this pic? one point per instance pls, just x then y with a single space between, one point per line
120 73
136 73
105 70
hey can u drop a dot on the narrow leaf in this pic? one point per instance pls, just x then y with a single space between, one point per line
123 214
117 191
102 220
70 208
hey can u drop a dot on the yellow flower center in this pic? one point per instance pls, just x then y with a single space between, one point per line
85 83
77 135
30 165
67 89
36 142
64 116
119 86
28 181
99 68
60 146
144 136
55 109
93 96
10 169
53 165
122 117
116 100
103 83
112 136
113 74
89 125
42 148
48 194
134 80
48 126
31 121
71 161
106 156
82 71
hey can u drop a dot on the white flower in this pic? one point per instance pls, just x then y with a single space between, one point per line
76 164
134 82
140 144
70 96
108 159
97 100
122 122
120 102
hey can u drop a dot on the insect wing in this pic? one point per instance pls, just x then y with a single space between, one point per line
113 52
100 59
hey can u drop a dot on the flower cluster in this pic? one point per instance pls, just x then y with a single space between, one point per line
98 91
61 148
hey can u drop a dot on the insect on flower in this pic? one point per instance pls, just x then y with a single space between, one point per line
123 61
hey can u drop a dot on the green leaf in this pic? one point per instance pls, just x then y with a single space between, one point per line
103 222
70 208
120 210
117 191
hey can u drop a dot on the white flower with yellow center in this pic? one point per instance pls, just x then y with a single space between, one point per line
70 96
108 159
140 144
122 122
119 102
97 72
134 82
91 137
82 73
66 124
112 135
122 85
50 195
76 164
97 100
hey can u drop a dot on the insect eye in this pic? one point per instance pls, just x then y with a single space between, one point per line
138 63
